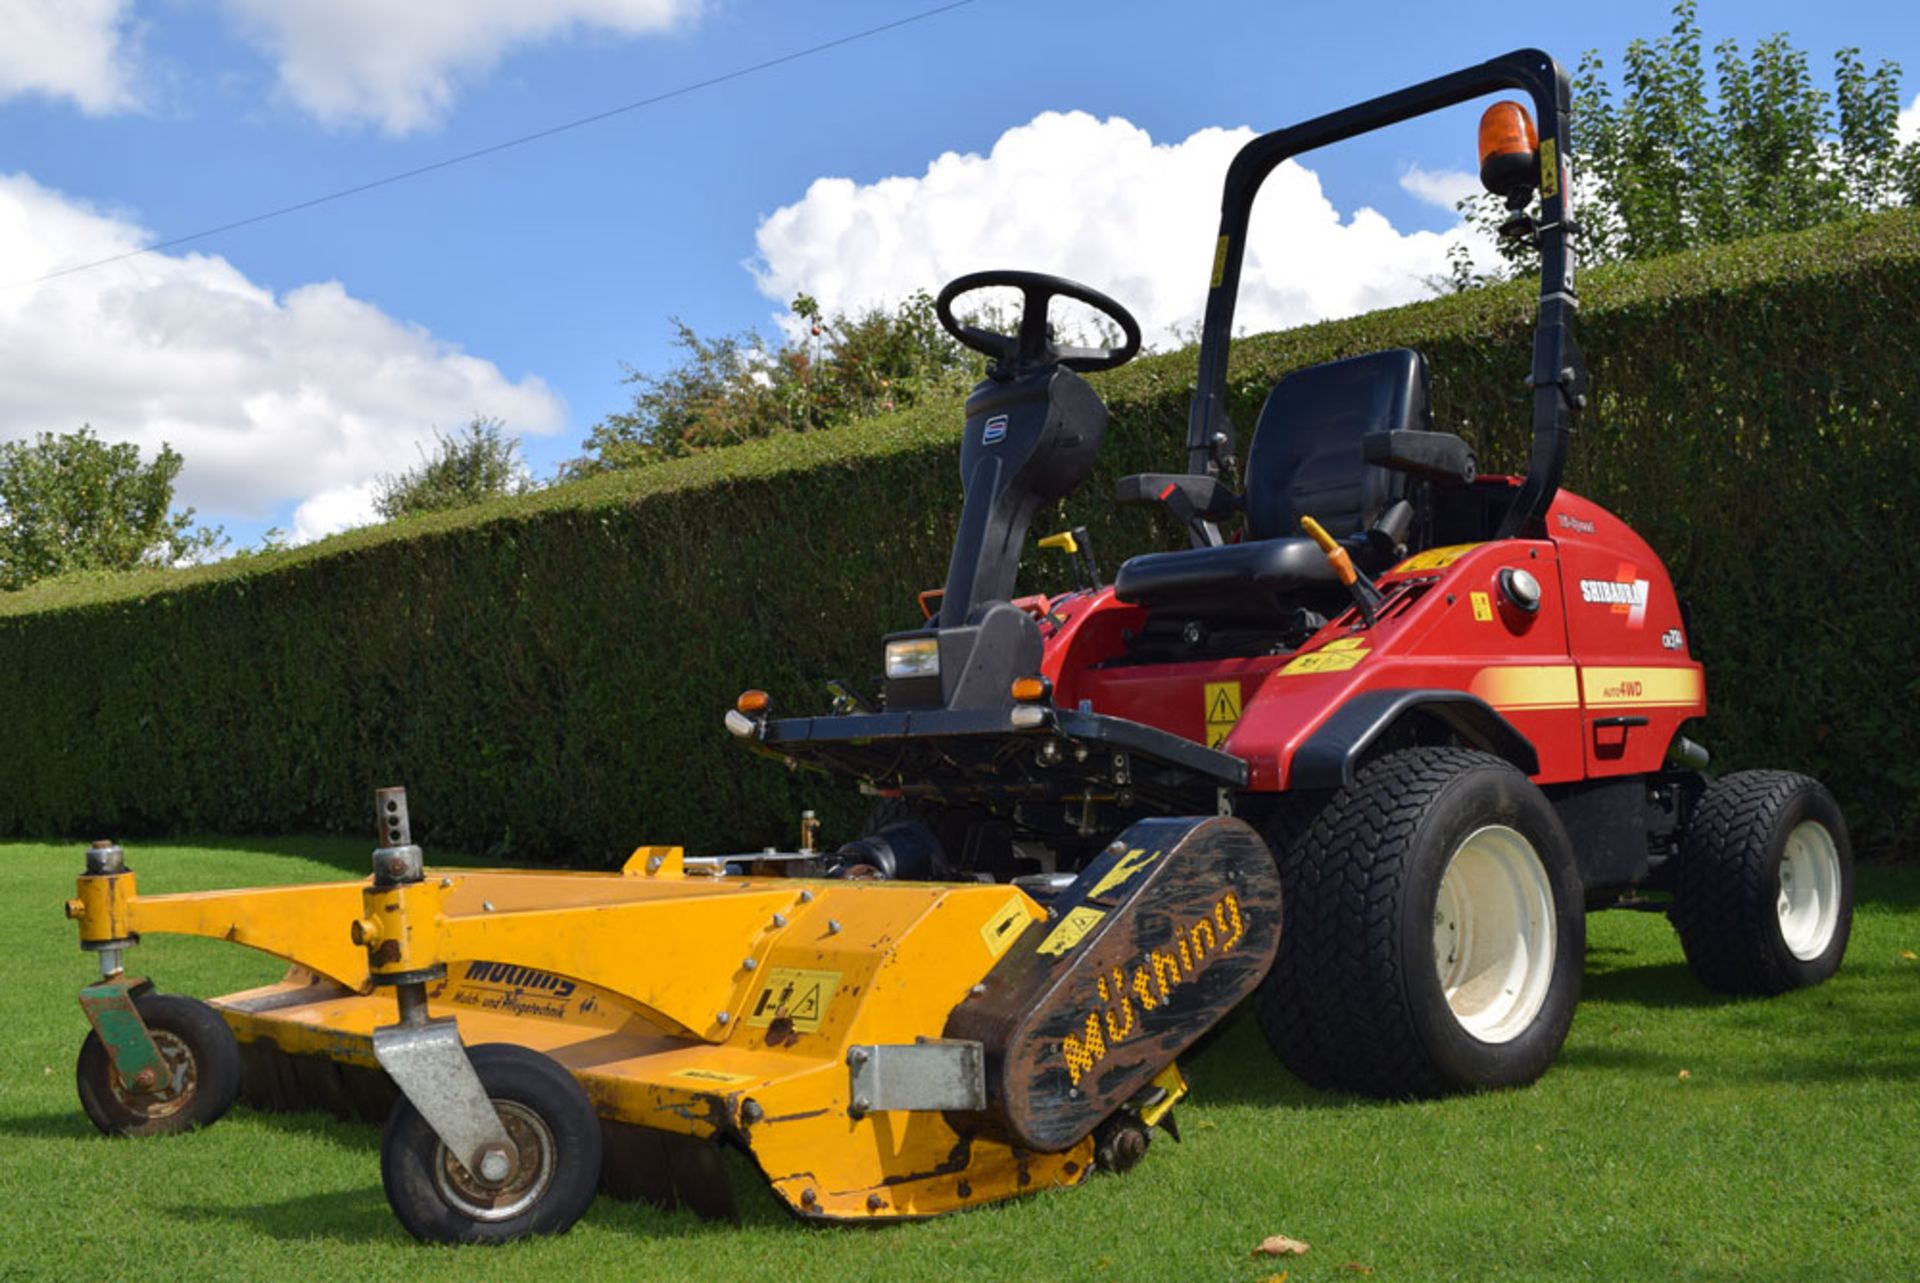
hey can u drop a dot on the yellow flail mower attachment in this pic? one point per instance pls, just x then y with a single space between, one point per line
879 1049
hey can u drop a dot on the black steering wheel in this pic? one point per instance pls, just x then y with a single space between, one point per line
1034 346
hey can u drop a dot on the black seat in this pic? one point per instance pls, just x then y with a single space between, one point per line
1304 460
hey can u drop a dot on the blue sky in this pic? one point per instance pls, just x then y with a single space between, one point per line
295 360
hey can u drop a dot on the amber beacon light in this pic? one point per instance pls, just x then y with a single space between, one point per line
1508 151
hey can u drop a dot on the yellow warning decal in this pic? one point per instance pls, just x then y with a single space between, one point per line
1219 261
1482 607
801 996
1123 870
1643 687
1549 170
712 1076
1223 710
1336 656
1072 930
1005 926
1435 558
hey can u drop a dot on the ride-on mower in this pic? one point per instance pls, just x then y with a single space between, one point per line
1367 760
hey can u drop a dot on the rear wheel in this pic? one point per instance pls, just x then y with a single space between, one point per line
202 1064
1434 931
1763 900
557 1144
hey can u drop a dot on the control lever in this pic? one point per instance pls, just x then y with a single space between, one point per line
1366 598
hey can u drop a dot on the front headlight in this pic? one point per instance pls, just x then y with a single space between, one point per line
913 657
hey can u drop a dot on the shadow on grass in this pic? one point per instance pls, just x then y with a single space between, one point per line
60 1126
1661 986
340 1216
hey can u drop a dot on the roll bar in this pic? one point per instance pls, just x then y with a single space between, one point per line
1559 373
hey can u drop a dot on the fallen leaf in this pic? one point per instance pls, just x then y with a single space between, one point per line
1205 1126
1685 1074
1280 1245
1357 1268
1281 1277
1910 955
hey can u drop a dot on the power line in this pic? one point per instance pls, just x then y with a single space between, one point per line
492 148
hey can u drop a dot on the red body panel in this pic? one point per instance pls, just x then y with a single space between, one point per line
1606 643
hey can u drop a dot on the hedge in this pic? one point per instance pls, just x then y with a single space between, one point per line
547 674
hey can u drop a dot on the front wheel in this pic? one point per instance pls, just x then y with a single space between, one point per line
556 1139
1434 934
203 1072
1764 897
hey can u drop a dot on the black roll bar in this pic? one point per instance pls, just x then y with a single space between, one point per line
1559 374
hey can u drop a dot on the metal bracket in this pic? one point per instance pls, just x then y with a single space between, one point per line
130 1046
928 1074
430 1066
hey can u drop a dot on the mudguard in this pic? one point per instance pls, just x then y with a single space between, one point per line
1155 942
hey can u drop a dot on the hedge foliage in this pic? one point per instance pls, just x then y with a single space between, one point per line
547 673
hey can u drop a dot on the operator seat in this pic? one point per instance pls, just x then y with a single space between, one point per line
1305 459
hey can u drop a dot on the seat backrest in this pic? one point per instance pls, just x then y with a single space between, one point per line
1305 456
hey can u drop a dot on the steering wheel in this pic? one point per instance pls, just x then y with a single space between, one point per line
1033 346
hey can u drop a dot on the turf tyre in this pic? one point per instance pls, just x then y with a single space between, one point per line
1735 914
1358 1000
202 1058
555 1129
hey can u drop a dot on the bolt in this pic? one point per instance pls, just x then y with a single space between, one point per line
495 1166
1117 847
751 1112
806 897
858 1056
445 883
808 1197
978 989
860 1106
723 1017
487 905
145 1080
833 926
875 1202
749 964
654 862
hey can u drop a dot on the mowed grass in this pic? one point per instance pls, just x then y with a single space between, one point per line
1681 1136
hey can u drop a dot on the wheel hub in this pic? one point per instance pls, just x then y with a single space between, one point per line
1809 902
520 1184
1494 934
182 1078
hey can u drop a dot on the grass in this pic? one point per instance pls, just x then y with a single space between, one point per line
1786 1150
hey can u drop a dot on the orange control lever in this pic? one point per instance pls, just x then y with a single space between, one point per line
1365 595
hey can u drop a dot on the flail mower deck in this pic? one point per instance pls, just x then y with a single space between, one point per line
1443 709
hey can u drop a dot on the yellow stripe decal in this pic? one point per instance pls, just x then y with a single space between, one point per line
1609 687
1528 686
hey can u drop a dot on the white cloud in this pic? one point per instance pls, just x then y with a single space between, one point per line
401 64
1443 187
269 399
1100 202
75 49
1910 122
331 511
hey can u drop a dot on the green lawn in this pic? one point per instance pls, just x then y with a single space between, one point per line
1790 1149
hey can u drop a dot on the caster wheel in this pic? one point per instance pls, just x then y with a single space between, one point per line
203 1072
1120 1143
556 1136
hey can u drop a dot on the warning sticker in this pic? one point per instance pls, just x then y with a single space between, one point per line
1072 930
712 1076
1436 558
1482 607
1005 927
1336 656
801 996
1549 170
1123 870
1223 710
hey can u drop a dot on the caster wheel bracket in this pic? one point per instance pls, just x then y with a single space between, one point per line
430 1065
136 1058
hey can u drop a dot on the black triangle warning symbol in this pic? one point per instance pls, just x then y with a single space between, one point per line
1224 706
807 1005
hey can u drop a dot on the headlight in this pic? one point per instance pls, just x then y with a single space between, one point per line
913 657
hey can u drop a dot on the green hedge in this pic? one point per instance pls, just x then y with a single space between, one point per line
547 674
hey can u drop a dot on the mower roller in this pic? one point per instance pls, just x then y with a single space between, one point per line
1442 709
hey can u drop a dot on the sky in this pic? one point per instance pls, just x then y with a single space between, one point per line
296 360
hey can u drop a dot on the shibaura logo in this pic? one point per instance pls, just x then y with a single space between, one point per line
520 991
1611 592
993 430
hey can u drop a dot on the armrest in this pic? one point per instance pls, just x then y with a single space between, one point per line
1436 456
1203 497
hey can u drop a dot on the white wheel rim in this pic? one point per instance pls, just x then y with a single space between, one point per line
1494 934
1809 903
